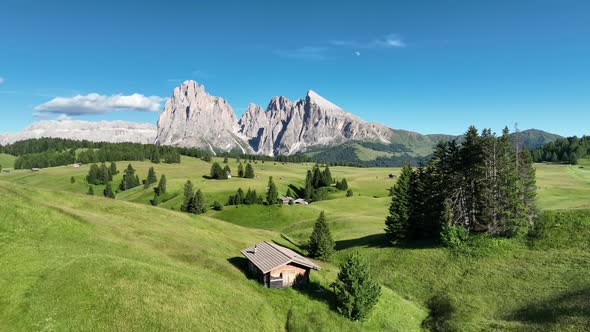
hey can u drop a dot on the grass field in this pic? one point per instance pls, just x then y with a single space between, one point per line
128 266
6 160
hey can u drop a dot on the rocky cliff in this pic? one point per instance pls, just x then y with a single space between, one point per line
194 118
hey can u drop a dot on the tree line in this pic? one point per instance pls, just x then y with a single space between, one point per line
566 150
484 184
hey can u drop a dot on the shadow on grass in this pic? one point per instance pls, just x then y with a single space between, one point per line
566 306
380 241
317 292
241 264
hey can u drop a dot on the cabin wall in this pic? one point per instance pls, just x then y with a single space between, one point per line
291 274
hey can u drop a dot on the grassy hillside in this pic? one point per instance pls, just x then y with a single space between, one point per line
84 263
6 160
165 270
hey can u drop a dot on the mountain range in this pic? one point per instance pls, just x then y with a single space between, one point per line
313 125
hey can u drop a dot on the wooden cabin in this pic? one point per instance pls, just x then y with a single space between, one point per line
276 266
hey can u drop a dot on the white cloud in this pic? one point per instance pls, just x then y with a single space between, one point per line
389 41
63 117
95 103
2 80
357 53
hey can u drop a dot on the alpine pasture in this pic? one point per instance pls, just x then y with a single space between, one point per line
79 262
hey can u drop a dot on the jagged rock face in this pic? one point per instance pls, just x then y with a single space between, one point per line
103 131
193 118
287 128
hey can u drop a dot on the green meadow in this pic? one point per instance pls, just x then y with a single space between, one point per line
6 160
88 263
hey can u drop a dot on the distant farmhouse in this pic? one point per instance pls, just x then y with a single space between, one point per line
290 200
276 266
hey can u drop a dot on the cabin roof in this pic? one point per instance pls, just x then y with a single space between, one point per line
269 256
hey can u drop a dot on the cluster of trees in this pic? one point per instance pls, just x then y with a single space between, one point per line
251 197
342 184
248 198
247 173
219 173
483 185
193 200
566 150
315 181
101 175
130 179
45 159
50 152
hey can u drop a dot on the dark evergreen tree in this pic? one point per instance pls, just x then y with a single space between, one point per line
151 178
272 194
93 175
349 193
156 156
240 170
342 185
217 206
227 171
225 160
156 200
91 190
249 172
113 169
198 204
355 290
308 189
72 180
397 223
108 191
162 185
321 244
187 204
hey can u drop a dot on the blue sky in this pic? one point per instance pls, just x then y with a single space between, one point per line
427 66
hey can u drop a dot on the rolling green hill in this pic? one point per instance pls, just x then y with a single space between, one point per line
6 160
89 263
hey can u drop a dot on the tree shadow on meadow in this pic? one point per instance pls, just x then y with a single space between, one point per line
575 304
371 241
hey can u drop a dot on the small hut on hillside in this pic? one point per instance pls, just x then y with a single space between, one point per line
276 266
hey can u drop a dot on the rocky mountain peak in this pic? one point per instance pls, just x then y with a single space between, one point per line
313 98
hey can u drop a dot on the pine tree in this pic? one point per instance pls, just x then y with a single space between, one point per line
217 206
225 160
308 189
249 173
356 291
227 171
349 193
188 197
272 195
156 156
342 185
317 177
156 200
240 170
152 178
397 223
326 177
92 176
198 205
108 191
321 244
72 180
91 190
162 185
113 169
